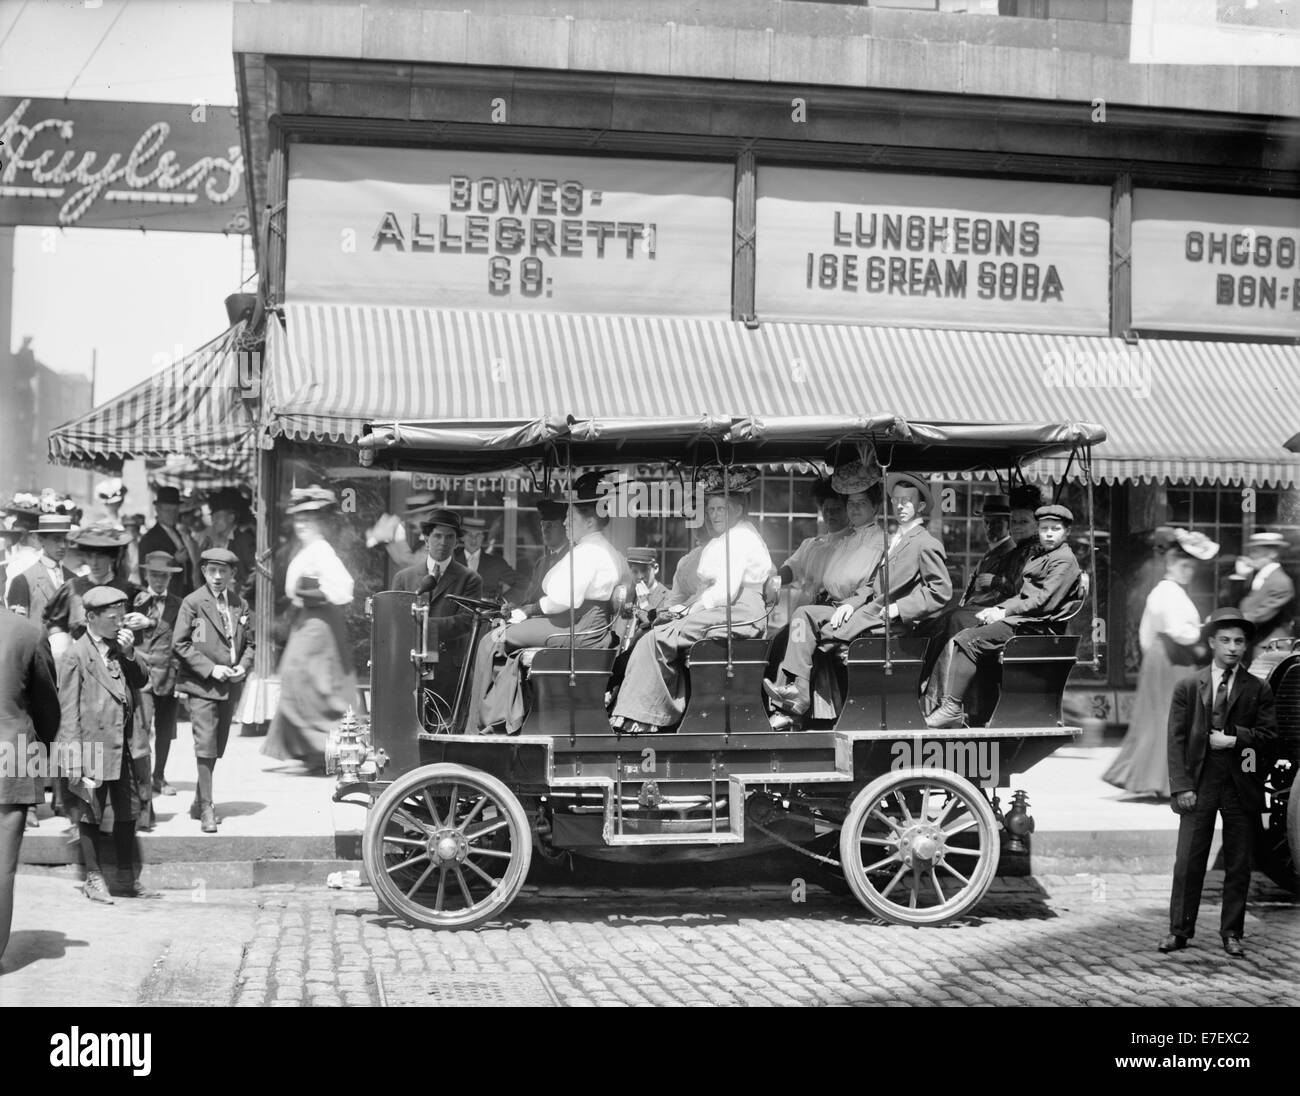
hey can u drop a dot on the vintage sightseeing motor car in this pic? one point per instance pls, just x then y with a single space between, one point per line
869 791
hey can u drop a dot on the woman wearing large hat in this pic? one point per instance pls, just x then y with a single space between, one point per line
1170 638
733 567
317 677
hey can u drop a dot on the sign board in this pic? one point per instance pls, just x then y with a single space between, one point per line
489 230
927 251
168 167
1217 263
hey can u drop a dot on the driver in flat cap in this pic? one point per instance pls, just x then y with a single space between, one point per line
1051 591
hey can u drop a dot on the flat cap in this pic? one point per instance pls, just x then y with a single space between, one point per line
643 556
220 555
100 597
1054 512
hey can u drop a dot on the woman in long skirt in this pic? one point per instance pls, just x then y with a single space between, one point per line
1170 636
317 679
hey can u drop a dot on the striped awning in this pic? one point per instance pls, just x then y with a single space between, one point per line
1184 411
195 408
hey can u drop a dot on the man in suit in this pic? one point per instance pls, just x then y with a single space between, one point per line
1265 595
1219 718
100 729
158 703
167 535
32 590
231 529
555 543
500 580
1050 592
29 713
918 588
214 650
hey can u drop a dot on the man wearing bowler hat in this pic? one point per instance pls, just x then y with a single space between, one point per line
1049 593
439 573
231 530
500 580
1265 595
1218 719
32 590
214 650
158 702
555 543
167 535
98 733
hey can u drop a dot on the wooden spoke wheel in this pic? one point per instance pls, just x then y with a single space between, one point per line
919 846
447 847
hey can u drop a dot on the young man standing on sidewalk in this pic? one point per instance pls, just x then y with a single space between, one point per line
214 648
1218 719
158 703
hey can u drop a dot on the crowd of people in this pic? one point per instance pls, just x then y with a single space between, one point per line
109 628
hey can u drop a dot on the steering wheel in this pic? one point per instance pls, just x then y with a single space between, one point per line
487 608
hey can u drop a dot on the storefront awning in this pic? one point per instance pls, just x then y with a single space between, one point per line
1185 411
195 408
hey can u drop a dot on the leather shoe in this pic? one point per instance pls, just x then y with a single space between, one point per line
786 697
130 887
782 722
161 787
208 819
33 822
1173 942
948 714
196 811
1232 945
96 889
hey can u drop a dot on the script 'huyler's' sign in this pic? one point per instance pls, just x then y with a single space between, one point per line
1216 263
120 165
861 247
486 230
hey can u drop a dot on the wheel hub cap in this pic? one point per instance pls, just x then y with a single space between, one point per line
447 845
922 845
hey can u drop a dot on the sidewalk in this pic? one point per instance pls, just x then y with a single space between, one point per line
279 824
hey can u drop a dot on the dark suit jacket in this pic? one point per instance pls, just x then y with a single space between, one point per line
499 578
544 564
456 579
32 591
1000 583
29 701
156 539
1251 718
1050 588
1271 608
201 644
99 709
918 577
155 645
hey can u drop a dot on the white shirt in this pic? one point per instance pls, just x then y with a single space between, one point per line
433 565
853 562
319 561
1257 582
1169 611
808 562
750 564
471 560
903 530
1216 676
595 574
53 569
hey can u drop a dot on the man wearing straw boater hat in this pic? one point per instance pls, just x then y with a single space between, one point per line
1265 595
35 588
733 568
1218 719
158 702
500 580
214 648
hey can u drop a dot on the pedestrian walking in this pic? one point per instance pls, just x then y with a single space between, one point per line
1170 638
214 650
29 712
1218 719
100 729
317 679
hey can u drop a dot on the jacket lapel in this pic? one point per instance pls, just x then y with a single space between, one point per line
214 614
115 685
1238 687
1205 682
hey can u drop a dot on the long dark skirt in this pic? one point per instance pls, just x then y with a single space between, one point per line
317 687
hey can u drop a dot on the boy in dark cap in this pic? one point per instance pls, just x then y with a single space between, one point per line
1050 592
214 649
98 733
1218 719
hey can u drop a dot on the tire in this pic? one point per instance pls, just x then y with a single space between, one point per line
930 821
436 866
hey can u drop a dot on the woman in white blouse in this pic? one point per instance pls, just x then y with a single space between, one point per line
1170 637
733 566
317 679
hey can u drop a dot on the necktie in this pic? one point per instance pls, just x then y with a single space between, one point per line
1219 716
230 628
437 574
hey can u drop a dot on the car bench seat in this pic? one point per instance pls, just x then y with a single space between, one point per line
1034 672
875 699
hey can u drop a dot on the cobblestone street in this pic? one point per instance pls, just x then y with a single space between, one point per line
1080 940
